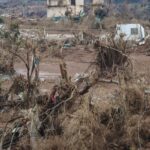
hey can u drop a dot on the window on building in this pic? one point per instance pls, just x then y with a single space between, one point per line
118 28
134 31
73 2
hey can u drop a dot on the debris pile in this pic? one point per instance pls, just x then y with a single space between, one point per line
69 118
86 111
17 94
6 65
6 69
111 59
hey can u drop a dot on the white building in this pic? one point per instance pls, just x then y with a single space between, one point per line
131 32
59 7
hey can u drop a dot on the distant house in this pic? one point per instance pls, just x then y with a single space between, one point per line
59 7
130 32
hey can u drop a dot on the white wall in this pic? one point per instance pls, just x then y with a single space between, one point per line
56 2
126 29
60 11
98 2
79 2
52 2
76 9
56 11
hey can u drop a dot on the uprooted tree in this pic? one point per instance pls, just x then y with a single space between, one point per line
113 58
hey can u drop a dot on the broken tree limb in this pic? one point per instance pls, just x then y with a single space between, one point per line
63 70
21 58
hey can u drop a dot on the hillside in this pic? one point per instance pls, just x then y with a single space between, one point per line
19 8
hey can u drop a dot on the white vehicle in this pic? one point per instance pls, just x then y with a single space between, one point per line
131 32
2 26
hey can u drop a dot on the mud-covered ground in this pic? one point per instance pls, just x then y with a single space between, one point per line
104 95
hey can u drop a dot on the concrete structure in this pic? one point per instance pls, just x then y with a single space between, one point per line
131 32
59 7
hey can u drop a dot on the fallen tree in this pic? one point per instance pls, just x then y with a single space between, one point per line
112 59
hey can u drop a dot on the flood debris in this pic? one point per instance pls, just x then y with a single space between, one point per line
100 99
111 59
18 130
70 113
6 66
6 69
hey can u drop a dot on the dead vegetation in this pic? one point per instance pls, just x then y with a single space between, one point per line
6 66
113 58
73 120
68 117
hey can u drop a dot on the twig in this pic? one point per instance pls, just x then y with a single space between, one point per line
6 126
21 58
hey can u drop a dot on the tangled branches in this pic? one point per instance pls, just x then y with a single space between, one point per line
111 60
